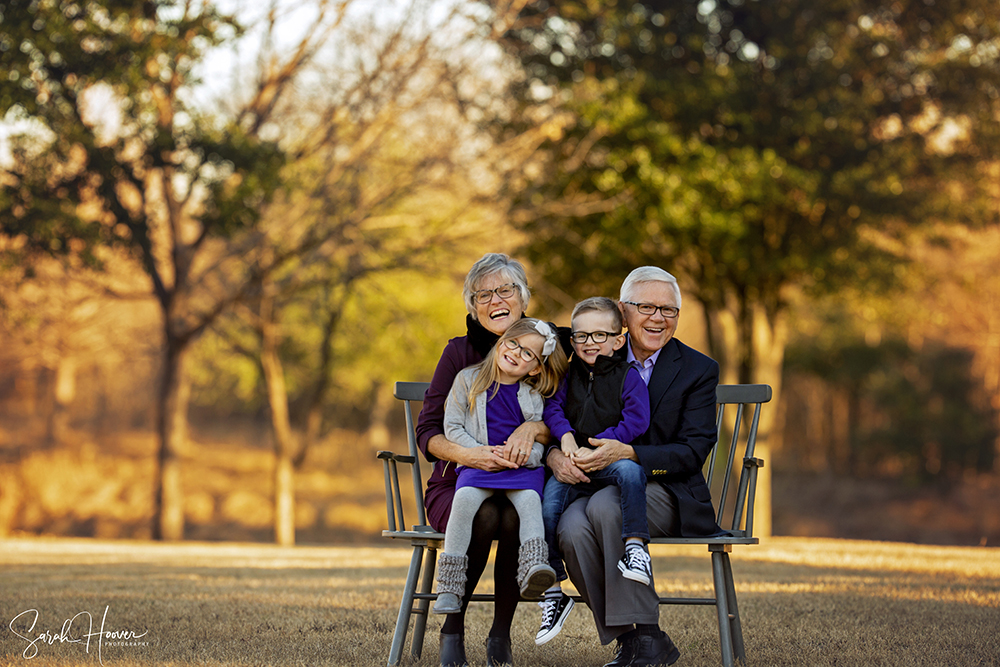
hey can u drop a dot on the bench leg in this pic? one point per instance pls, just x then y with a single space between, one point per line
423 604
405 607
719 562
734 611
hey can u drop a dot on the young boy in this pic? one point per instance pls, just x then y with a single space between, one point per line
602 397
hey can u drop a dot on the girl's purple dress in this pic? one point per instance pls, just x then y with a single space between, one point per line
503 416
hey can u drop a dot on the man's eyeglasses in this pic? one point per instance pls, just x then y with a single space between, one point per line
669 312
526 354
580 337
504 292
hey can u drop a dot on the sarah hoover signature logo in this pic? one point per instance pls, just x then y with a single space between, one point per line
76 630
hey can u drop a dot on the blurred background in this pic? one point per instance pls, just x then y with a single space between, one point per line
227 228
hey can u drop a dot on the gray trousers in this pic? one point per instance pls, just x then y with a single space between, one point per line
467 502
590 536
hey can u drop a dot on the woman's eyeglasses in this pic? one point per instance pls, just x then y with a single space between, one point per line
504 292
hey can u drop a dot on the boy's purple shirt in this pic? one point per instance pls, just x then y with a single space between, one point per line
635 412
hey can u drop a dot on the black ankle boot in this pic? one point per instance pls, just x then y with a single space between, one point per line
453 651
498 652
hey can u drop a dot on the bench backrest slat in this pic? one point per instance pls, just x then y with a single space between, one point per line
410 392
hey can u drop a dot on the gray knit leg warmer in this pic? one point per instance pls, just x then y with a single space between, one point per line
534 575
451 573
451 583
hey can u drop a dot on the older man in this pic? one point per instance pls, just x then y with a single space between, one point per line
681 383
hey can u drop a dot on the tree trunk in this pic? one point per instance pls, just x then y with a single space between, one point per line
753 344
378 423
64 394
770 336
284 441
172 427
284 500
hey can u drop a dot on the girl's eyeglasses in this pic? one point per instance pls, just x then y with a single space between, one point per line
526 354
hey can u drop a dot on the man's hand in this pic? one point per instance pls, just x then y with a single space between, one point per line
606 451
564 469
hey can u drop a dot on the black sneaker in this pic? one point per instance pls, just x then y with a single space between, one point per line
555 611
635 565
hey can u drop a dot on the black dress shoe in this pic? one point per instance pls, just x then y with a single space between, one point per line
498 652
453 651
624 651
654 651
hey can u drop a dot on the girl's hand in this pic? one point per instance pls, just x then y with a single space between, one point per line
606 451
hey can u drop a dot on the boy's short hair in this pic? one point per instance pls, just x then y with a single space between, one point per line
600 304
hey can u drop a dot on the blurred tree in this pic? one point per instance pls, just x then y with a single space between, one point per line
107 148
958 297
756 149
920 413
379 172
59 320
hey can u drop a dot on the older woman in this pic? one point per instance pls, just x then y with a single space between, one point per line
496 295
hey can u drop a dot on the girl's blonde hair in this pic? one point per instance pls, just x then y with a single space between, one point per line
545 383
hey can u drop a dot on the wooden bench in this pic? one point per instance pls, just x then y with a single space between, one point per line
734 499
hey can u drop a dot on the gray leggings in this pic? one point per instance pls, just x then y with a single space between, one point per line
467 500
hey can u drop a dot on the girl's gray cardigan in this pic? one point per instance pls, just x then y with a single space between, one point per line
469 430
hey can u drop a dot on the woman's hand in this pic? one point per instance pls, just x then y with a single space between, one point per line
564 469
517 447
482 457
606 451
486 458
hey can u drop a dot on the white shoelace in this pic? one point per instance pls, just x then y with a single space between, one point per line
637 558
549 607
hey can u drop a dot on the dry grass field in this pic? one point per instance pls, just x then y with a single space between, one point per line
804 602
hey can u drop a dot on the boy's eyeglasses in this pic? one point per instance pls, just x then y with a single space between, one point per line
526 354
669 312
504 292
580 337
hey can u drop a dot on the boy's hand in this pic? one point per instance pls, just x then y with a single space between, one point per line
606 451
568 444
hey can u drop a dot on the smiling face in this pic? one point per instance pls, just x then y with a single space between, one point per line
498 313
590 322
649 333
512 366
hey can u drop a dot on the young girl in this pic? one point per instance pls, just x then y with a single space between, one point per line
487 402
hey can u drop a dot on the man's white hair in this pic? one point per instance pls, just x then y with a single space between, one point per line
648 274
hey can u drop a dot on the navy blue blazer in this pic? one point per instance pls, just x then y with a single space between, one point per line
681 432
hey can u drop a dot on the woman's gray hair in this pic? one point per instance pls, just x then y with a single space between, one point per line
491 263
648 274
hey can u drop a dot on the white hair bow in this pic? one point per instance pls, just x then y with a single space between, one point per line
550 338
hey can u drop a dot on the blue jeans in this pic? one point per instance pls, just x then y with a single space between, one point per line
630 479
